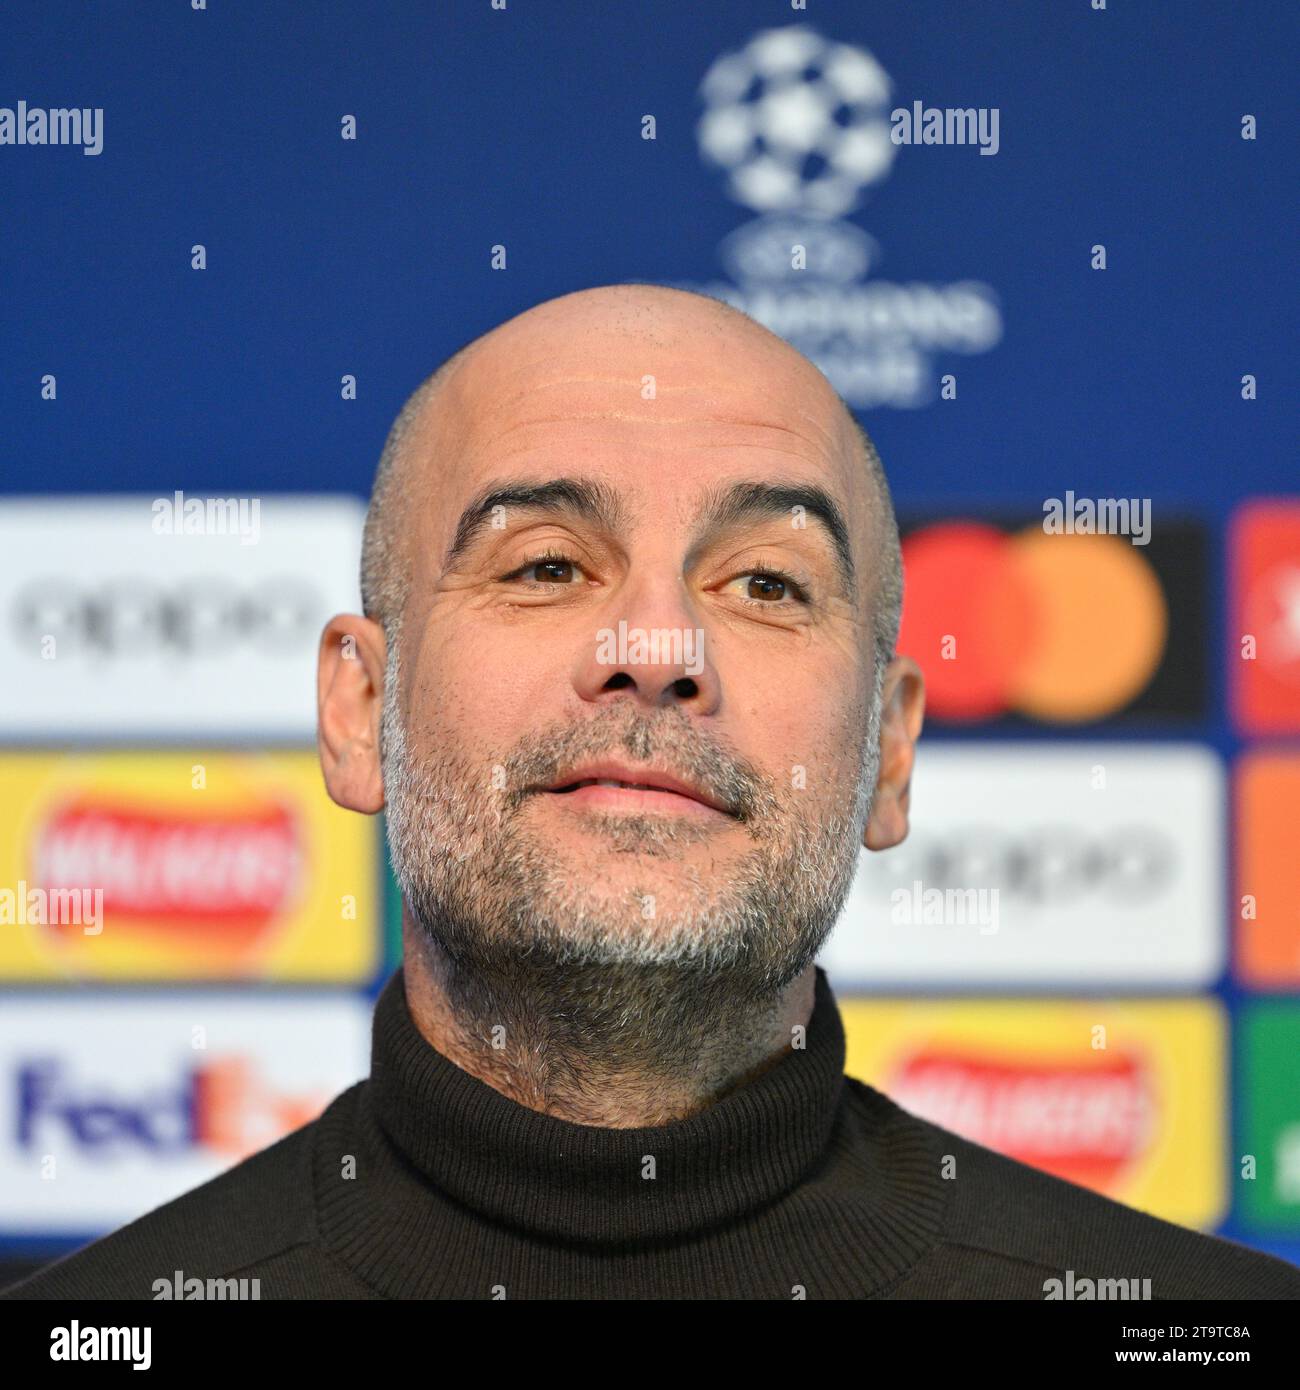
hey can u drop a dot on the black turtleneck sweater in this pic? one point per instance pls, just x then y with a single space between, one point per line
423 1182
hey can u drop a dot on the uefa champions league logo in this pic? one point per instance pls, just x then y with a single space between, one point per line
800 126
800 123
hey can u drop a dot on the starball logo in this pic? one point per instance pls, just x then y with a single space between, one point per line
802 126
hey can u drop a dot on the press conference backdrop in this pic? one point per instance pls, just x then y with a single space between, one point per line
1043 249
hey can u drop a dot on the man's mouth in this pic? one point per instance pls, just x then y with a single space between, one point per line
612 787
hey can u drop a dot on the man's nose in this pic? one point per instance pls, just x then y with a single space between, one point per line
652 646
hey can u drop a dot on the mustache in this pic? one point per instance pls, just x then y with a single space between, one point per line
670 740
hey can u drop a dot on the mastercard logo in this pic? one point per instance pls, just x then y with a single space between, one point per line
1060 628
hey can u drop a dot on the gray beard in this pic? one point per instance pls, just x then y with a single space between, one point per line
589 989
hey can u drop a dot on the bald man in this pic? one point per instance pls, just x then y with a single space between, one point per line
626 688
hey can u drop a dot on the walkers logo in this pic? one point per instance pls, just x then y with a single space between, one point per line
1269 1177
1265 635
205 867
801 125
1056 627
1100 1114
113 1106
1127 1099
1268 870
235 871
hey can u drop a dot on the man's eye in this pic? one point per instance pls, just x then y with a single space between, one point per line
549 570
765 586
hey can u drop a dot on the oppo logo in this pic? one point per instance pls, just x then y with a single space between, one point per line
137 617
1051 866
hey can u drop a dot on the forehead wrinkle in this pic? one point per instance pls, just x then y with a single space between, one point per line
509 392
810 450
812 435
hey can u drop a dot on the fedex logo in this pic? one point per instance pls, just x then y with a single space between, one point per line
112 1104
50 1106
220 1106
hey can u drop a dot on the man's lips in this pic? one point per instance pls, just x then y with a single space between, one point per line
623 786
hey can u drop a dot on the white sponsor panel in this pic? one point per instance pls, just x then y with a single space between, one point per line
1035 863
171 616
114 1105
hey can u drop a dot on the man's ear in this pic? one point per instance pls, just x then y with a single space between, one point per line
902 713
349 702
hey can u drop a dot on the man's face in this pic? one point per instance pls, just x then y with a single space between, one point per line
635 721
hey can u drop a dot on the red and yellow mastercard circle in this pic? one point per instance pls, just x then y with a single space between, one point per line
1061 628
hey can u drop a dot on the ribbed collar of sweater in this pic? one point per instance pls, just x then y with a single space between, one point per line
552 1178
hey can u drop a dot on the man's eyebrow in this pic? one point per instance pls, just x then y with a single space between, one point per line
583 498
751 501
